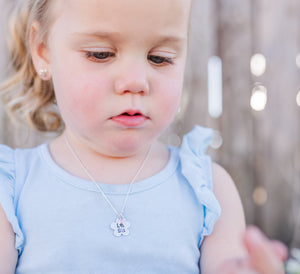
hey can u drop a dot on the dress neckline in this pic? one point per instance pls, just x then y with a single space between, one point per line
111 189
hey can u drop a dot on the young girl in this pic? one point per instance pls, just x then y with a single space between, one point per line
106 196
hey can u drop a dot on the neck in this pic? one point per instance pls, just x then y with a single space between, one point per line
108 169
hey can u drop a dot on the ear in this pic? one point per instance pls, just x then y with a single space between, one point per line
39 52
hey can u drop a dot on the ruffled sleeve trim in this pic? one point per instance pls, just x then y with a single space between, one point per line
7 192
197 169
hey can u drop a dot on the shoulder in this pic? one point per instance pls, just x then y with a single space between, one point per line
227 194
11 158
8 252
223 183
6 162
10 230
5 151
226 239
232 217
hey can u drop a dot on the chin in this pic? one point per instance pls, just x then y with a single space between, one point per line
128 145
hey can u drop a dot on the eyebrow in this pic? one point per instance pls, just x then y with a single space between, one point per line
99 35
172 39
116 36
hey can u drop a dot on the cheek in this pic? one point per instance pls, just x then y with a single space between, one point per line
169 98
80 95
76 83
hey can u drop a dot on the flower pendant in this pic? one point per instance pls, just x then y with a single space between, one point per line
120 227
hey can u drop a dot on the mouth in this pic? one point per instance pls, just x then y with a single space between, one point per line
131 113
130 118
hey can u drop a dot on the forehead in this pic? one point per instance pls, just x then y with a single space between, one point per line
125 16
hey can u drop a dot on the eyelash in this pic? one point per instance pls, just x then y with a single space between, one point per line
98 56
102 56
161 58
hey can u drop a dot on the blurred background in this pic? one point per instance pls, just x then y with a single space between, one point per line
242 80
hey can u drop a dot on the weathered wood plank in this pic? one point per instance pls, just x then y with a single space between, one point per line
236 124
277 31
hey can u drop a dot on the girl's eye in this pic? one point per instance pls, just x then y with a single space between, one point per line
159 60
98 56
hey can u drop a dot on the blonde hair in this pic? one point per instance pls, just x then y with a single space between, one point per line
24 93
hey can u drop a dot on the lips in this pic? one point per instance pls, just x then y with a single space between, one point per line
130 118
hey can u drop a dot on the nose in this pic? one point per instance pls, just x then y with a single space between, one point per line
132 78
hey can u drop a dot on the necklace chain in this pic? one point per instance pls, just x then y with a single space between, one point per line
119 215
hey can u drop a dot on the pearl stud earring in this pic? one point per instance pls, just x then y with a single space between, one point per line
43 73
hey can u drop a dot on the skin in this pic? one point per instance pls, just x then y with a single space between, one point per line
102 66
90 91
233 249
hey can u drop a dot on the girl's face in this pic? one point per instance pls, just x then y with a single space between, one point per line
117 68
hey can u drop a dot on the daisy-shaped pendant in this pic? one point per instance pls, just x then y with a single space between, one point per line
120 227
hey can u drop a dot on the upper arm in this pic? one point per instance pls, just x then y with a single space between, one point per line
225 242
8 253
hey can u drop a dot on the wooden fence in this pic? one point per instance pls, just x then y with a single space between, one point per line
261 150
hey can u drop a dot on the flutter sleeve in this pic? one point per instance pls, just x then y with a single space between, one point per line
7 192
197 169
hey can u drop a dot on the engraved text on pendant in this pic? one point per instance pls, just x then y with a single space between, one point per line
120 227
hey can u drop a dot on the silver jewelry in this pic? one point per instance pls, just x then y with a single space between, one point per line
120 225
43 73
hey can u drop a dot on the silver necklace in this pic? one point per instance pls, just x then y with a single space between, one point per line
120 225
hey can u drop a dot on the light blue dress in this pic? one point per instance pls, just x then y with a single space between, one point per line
62 224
